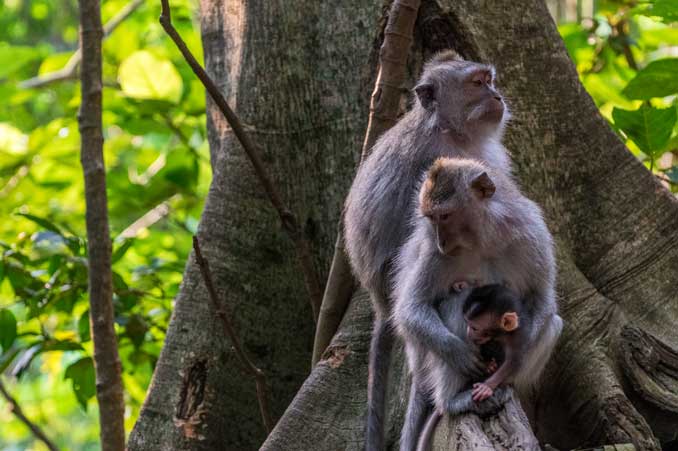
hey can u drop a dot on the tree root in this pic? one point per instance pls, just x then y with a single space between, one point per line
651 366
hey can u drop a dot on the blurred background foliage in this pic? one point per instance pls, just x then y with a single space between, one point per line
158 174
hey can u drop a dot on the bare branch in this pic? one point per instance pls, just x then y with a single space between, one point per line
70 70
384 107
229 331
100 286
385 101
287 218
16 410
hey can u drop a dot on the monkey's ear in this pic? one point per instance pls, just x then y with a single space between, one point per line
425 93
484 185
509 321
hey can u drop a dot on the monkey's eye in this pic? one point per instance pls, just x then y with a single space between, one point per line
444 217
478 82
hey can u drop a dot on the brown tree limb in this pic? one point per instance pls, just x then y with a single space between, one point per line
106 360
16 410
70 70
287 218
229 331
384 108
507 430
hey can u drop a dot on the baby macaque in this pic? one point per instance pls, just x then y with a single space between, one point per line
493 315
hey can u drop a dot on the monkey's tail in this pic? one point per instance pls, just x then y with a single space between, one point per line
379 360
424 442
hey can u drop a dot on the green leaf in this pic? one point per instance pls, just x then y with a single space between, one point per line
666 9
13 58
672 174
657 79
83 327
650 128
42 222
136 329
60 345
7 329
84 380
120 251
144 76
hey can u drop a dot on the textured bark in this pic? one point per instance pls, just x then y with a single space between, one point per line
296 73
100 288
508 430
299 73
384 110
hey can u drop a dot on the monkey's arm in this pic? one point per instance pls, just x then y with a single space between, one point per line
418 320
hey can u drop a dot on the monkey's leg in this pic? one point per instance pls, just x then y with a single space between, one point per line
418 408
379 359
426 435
463 402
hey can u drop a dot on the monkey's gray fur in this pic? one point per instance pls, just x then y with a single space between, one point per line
513 247
449 118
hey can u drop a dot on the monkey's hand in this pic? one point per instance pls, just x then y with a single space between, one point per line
492 366
463 402
481 391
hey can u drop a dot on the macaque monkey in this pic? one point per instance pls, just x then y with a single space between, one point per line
493 313
473 226
457 112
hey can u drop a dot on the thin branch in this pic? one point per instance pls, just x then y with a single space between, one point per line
16 410
109 389
384 108
70 70
259 376
385 101
289 221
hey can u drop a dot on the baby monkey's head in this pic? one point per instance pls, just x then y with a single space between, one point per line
491 311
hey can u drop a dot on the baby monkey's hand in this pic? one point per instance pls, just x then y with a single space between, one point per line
481 391
492 366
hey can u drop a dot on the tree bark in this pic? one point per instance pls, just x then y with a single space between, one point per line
297 74
100 288
300 75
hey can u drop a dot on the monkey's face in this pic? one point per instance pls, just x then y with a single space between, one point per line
481 329
463 95
455 231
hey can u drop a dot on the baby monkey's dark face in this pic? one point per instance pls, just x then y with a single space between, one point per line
482 329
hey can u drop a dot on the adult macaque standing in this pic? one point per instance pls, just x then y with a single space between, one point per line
473 227
457 113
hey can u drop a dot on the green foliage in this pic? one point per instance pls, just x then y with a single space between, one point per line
625 57
157 175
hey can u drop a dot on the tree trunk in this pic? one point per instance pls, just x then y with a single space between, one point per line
300 73
107 367
297 74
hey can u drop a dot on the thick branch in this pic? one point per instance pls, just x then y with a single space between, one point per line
16 410
70 70
384 108
507 430
287 218
229 331
106 359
